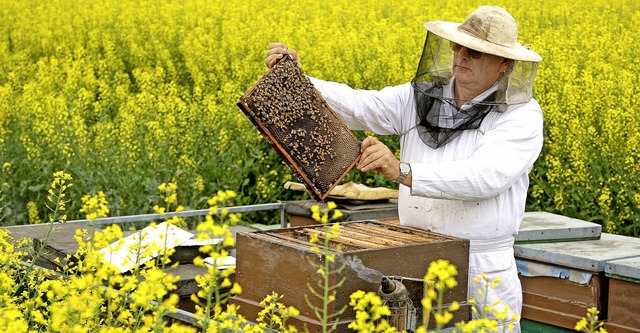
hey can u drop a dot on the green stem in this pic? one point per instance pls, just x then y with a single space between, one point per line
439 304
325 303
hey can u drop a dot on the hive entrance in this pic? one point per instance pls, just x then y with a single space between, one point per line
299 124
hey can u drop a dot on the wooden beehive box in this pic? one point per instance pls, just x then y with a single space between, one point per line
561 280
623 311
276 261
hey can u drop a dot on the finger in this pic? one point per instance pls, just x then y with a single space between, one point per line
277 51
367 142
272 60
373 157
366 148
368 163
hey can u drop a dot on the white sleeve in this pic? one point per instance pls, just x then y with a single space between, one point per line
504 155
384 112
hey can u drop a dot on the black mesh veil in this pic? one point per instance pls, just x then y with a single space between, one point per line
439 120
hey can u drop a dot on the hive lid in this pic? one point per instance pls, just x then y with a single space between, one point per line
627 269
588 255
547 227
151 241
299 124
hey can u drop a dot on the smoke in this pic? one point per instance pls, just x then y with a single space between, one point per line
368 274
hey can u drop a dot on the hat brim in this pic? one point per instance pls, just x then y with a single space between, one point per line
450 31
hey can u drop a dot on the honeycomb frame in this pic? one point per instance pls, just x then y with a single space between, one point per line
298 123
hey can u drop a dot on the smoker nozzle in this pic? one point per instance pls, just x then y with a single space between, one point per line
392 288
387 286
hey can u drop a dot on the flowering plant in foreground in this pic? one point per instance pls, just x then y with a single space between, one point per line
275 314
89 295
325 248
590 324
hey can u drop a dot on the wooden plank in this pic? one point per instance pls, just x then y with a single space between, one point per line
348 232
349 241
298 221
624 303
552 317
560 305
418 235
563 289
406 238
615 328
561 302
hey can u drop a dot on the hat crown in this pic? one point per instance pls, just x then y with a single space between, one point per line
492 24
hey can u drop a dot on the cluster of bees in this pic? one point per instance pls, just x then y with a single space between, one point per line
298 119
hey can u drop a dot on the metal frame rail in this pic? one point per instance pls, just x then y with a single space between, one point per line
188 213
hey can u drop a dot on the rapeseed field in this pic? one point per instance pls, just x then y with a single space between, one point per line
126 95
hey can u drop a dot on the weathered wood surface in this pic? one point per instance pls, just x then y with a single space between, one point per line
561 302
276 261
615 328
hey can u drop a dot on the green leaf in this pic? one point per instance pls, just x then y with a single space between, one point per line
36 188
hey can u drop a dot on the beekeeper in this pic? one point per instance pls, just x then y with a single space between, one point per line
470 132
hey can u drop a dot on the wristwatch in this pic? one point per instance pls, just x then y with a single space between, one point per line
405 169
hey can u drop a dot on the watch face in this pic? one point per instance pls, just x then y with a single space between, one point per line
405 168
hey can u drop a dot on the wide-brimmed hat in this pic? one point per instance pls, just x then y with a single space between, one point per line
489 29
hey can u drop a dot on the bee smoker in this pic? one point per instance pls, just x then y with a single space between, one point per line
394 295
